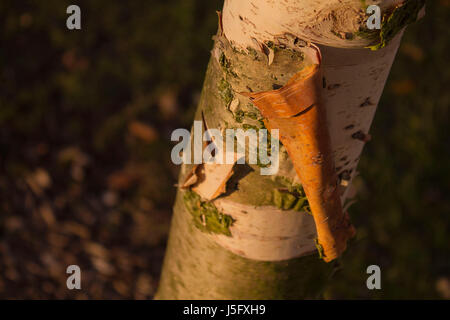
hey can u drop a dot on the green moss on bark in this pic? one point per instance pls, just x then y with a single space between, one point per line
210 271
392 22
206 216
225 91
293 198
253 189
319 248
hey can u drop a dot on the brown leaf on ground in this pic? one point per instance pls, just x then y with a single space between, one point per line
39 180
120 180
25 20
131 174
144 284
110 198
402 87
121 287
167 104
97 250
443 287
142 131
72 61
103 266
47 214
73 154
77 229
412 51
13 223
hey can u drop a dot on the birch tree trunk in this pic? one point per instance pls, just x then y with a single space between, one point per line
258 240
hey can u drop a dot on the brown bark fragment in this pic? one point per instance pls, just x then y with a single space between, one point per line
297 111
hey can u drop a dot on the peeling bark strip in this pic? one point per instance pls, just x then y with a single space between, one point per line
209 179
297 111
268 255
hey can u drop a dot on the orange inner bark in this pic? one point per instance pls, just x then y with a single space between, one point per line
297 111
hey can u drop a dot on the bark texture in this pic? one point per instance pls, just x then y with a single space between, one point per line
258 240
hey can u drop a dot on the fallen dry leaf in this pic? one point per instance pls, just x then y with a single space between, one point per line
97 250
120 180
443 287
412 51
167 104
402 87
143 131
47 214
103 266
76 229
39 180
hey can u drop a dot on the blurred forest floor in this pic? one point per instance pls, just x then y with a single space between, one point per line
85 170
